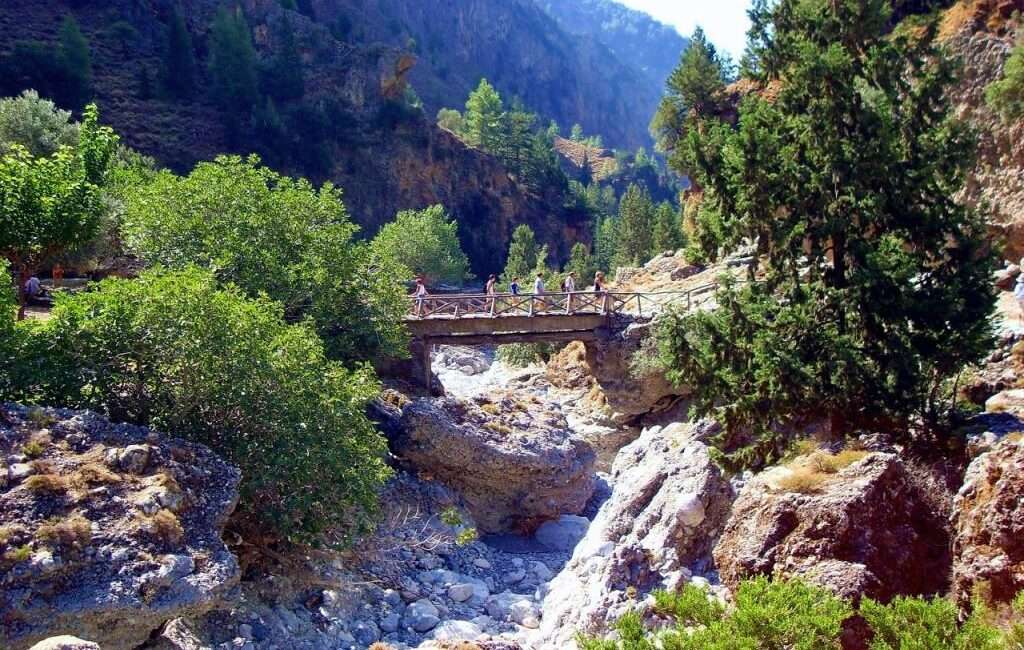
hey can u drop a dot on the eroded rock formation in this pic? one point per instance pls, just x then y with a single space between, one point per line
870 529
988 543
108 530
511 460
668 504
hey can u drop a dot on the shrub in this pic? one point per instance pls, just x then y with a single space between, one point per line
163 526
425 242
176 351
74 531
521 355
925 625
271 234
1006 95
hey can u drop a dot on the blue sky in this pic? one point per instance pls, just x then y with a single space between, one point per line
724 21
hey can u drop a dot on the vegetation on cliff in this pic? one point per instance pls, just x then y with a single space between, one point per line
872 286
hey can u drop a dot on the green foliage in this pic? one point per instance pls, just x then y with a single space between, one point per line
1006 95
73 55
451 119
425 242
521 355
668 231
51 203
233 63
271 234
875 284
921 624
635 227
178 67
483 117
522 255
768 615
693 89
581 262
178 351
36 124
606 244
576 134
284 77
122 33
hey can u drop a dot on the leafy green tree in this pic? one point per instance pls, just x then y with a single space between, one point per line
483 117
635 227
1006 95
522 255
36 124
451 119
182 353
233 62
693 89
668 231
52 203
271 234
425 242
874 285
178 67
582 264
284 76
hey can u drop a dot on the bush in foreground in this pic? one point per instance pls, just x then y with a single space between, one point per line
179 352
791 615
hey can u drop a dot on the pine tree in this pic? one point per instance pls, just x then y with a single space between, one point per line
668 231
178 69
516 138
75 61
483 117
522 255
636 224
233 63
874 282
576 135
694 88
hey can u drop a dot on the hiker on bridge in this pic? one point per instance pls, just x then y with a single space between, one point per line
492 282
513 288
538 290
421 297
568 287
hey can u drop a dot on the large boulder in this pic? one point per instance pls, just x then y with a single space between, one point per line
988 543
668 505
514 463
109 530
873 528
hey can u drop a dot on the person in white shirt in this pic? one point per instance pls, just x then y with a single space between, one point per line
538 290
1018 293
32 287
568 286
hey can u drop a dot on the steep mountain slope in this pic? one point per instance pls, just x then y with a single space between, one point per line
520 49
636 39
350 125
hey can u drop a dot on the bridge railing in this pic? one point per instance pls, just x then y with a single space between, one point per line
553 304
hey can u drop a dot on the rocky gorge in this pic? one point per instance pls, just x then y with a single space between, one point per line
529 505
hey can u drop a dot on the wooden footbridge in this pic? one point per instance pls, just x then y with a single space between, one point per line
476 319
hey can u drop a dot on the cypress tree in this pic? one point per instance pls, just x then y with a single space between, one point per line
636 224
483 117
522 254
75 61
233 62
178 69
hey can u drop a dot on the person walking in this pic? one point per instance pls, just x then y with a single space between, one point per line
600 288
538 290
568 287
489 288
1018 293
513 288
421 297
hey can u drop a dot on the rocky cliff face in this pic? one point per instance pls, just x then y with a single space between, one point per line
107 530
982 37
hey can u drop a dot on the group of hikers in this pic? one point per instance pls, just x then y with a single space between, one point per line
514 289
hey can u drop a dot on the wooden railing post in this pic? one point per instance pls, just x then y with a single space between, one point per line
639 306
